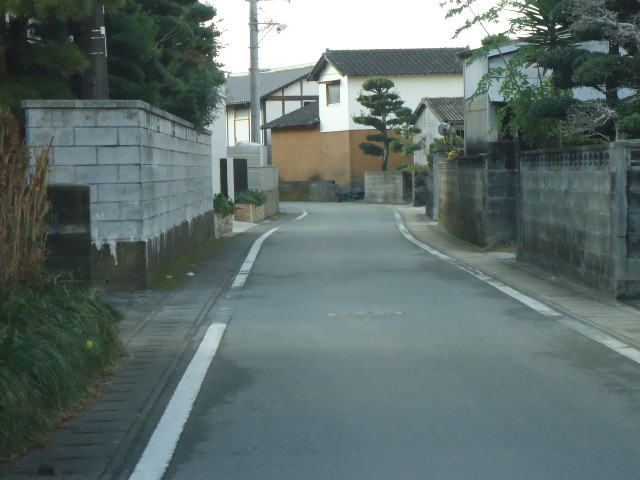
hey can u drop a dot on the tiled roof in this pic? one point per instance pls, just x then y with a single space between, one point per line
303 117
238 89
450 109
385 62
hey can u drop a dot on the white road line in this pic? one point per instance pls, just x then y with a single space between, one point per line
521 297
246 267
602 338
588 331
161 446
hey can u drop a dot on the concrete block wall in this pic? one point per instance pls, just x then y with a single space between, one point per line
477 201
256 155
579 210
265 179
384 187
149 176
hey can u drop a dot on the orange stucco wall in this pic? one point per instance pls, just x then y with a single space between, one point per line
361 163
305 153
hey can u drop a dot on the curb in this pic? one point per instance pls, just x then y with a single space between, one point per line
549 303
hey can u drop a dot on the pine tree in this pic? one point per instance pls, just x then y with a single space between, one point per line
164 52
553 30
386 114
38 54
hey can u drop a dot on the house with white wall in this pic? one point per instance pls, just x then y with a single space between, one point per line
433 112
480 111
417 73
282 90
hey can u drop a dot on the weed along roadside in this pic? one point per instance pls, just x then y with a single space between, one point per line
56 342
54 339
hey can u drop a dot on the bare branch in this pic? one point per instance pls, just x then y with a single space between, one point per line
585 118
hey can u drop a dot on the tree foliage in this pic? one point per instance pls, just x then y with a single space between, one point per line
160 51
385 114
38 55
544 112
164 52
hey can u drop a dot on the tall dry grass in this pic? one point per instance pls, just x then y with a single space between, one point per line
23 207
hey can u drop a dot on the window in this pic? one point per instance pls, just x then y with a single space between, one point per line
333 93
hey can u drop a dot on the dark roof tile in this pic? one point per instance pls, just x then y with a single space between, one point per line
303 117
447 108
385 62
238 89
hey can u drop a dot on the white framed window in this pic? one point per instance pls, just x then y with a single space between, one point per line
333 93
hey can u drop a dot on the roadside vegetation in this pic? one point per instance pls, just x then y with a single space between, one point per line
160 51
387 115
254 197
54 339
543 112
223 205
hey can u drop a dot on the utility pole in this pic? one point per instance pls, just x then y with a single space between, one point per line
95 82
256 134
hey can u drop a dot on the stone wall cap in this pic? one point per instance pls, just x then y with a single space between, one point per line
107 104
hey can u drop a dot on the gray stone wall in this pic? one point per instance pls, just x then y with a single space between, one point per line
383 187
148 173
308 191
579 215
265 179
477 201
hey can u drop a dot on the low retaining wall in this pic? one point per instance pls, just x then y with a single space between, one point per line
148 175
309 191
383 187
265 179
222 224
247 212
477 200
580 214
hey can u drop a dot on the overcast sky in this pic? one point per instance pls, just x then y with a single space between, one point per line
315 25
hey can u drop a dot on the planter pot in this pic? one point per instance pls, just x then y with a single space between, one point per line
247 212
222 224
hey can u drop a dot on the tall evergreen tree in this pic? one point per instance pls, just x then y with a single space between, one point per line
386 114
38 54
164 52
553 30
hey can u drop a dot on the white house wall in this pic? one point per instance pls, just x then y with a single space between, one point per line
273 110
336 118
412 90
218 145
428 123
292 106
309 88
333 118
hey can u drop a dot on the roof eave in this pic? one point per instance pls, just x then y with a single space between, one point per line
317 70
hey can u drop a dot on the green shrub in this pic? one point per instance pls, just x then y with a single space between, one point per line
53 340
251 196
222 204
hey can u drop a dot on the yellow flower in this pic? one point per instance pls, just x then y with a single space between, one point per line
89 344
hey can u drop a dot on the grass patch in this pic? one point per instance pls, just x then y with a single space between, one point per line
177 273
54 340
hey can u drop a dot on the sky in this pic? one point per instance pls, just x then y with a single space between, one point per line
312 26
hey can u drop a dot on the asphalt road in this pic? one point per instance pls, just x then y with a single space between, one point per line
353 354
